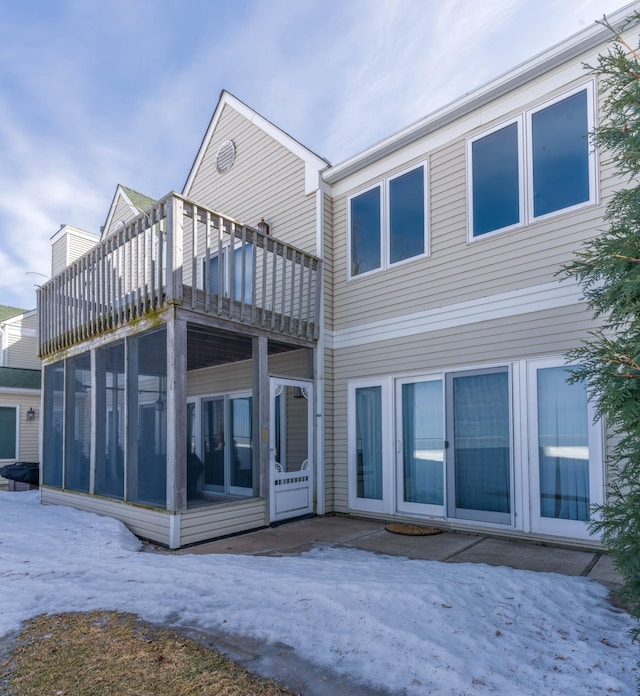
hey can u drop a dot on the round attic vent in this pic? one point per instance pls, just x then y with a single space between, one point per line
226 156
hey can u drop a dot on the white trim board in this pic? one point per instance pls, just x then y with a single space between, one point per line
508 304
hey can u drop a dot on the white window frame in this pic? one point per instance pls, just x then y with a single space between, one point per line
16 450
547 525
588 86
226 397
525 165
518 120
384 505
385 221
349 244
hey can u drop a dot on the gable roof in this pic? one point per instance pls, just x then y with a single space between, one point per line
7 312
19 378
585 40
226 99
134 200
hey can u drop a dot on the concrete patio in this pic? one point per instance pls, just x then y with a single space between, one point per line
450 546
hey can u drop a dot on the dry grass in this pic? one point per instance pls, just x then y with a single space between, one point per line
106 653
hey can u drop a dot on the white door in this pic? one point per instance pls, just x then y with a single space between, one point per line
291 448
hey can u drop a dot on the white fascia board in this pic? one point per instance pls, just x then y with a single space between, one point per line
507 304
569 49
89 236
313 162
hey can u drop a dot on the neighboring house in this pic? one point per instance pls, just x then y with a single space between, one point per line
19 387
126 204
384 337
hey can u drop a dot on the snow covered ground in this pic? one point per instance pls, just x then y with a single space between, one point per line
405 626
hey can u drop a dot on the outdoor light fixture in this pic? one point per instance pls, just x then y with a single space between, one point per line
31 414
263 227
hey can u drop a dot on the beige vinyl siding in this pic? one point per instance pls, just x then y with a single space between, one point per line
143 522
58 256
328 270
221 520
27 430
267 180
528 335
22 348
328 409
238 376
457 270
71 245
79 246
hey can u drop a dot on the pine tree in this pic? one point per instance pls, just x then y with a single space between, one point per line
608 269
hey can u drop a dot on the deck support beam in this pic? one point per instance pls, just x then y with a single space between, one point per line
176 414
261 457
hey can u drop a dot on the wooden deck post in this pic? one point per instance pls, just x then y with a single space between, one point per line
261 452
174 259
176 414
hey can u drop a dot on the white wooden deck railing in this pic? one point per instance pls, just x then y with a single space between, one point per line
180 252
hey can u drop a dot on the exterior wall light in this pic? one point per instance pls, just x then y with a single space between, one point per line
31 414
263 227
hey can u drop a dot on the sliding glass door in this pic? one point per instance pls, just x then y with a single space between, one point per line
226 444
420 449
565 452
479 445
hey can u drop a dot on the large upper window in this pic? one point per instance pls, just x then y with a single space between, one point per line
8 432
495 180
543 159
387 223
560 154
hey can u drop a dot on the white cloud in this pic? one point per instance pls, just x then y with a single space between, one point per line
94 95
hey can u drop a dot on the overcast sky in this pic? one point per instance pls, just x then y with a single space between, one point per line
99 92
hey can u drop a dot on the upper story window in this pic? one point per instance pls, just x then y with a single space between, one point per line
537 165
219 274
388 223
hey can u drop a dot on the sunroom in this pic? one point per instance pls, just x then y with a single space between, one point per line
178 388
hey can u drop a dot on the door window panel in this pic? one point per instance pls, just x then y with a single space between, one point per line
241 453
481 442
563 446
369 442
213 442
422 442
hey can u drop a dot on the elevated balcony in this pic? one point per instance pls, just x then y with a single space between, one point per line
179 253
